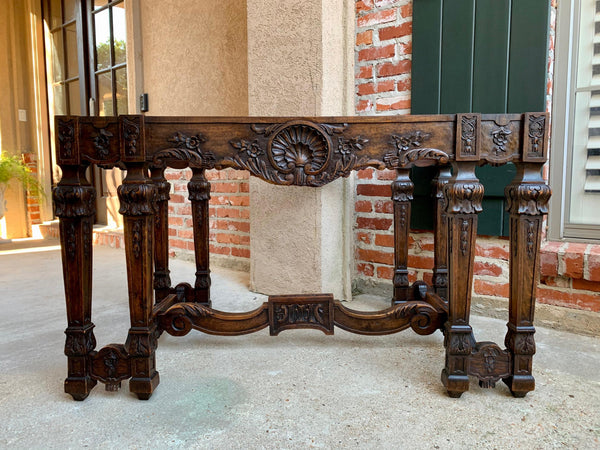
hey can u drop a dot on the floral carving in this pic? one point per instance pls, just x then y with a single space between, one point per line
66 137
101 141
199 188
162 279
111 365
70 237
186 152
400 278
202 279
131 136
489 363
500 139
537 128
524 344
408 152
252 149
460 344
136 239
79 342
464 237
530 230
87 238
468 134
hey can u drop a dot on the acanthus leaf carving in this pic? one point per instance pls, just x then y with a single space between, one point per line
73 201
463 197
137 199
527 198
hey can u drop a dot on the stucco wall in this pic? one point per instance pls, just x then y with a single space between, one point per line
183 75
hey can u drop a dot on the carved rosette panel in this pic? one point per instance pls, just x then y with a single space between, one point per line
528 198
409 152
489 363
80 341
101 141
185 151
463 197
110 365
73 201
300 153
290 312
136 199
467 137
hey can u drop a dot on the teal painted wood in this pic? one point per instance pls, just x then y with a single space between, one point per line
528 65
490 68
458 34
493 60
426 57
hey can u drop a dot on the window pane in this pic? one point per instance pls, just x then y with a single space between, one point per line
57 56
72 55
99 3
105 99
119 32
59 100
70 10
121 88
102 39
74 98
55 13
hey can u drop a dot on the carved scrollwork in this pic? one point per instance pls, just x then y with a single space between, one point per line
136 199
527 198
186 152
101 141
424 320
463 197
300 153
291 312
73 201
66 137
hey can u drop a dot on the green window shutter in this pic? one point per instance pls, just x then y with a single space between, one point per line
485 56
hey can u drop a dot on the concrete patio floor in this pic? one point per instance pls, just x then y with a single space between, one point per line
301 389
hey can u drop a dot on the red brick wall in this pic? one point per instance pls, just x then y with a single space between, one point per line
229 215
570 272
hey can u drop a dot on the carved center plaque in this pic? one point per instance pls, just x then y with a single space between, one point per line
288 312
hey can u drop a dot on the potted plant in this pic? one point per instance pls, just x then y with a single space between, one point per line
12 168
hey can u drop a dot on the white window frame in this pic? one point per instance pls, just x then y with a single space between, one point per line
563 109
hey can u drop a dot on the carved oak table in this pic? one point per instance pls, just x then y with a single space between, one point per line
300 152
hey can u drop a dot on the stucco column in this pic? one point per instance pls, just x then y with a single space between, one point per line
300 63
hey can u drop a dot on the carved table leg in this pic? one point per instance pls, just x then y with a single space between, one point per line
463 195
402 195
162 280
440 234
199 191
136 195
527 198
74 203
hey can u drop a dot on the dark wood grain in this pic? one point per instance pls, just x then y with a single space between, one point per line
305 152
